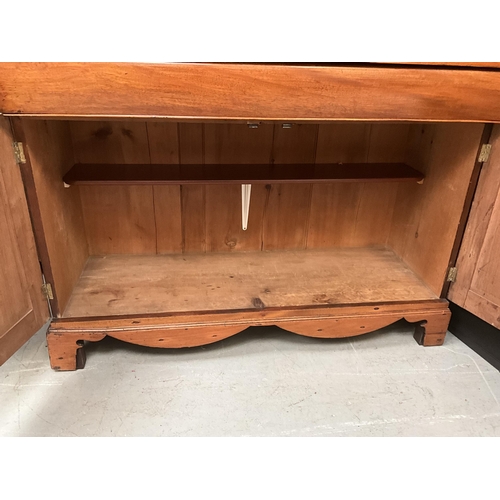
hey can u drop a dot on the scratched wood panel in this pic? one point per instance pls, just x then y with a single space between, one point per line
219 281
191 151
286 219
228 144
118 219
334 206
163 140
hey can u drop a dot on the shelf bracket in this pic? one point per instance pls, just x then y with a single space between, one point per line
245 204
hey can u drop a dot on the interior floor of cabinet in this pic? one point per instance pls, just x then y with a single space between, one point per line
147 284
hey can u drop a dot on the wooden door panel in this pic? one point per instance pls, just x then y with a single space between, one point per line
485 284
477 288
23 310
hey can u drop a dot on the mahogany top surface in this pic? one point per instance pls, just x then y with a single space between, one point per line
252 91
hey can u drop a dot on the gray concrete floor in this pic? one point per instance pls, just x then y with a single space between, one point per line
262 382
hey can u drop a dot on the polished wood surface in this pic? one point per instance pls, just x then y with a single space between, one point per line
250 91
59 213
121 284
66 336
23 310
109 174
477 288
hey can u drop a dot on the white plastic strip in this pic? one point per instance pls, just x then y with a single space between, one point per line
245 204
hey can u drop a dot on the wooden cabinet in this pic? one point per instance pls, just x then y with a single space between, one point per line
177 205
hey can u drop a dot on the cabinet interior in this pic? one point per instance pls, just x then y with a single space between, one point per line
121 242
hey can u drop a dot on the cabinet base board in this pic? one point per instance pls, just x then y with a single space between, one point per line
66 337
477 334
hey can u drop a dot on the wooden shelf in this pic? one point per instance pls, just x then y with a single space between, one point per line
240 174
117 285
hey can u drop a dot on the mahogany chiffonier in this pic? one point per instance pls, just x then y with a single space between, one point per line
175 205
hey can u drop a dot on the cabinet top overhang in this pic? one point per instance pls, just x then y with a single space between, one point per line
253 92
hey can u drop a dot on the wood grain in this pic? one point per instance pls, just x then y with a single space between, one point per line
479 259
425 224
250 91
23 310
377 201
334 207
467 206
110 142
163 140
48 148
191 151
492 65
240 173
122 219
478 224
356 214
230 145
194 329
208 218
286 218
116 285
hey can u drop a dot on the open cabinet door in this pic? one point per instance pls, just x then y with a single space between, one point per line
23 309
477 287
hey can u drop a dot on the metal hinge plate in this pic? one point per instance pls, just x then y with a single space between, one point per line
485 153
47 291
19 152
452 274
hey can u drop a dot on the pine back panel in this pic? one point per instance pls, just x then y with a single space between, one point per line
173 219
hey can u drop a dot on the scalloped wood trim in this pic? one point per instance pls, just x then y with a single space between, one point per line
190 330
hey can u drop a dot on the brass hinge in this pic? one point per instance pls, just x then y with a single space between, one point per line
19 152
452 274
47 291
485 153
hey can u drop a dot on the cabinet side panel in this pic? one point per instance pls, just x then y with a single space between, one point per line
48 144
425 224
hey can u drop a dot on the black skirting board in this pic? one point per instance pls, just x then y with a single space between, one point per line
476 333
